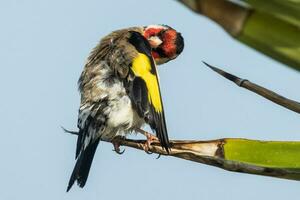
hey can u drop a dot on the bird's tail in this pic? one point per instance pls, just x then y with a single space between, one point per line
83 164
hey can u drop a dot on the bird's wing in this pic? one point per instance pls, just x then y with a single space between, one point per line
145 91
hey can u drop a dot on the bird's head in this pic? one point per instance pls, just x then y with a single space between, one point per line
166 42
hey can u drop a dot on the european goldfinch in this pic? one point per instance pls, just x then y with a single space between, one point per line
120 92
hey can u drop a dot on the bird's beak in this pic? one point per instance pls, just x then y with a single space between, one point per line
154 41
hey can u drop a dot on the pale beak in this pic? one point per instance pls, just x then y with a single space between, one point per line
154 41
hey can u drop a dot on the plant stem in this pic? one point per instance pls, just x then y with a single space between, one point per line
279 159
267 158
264 92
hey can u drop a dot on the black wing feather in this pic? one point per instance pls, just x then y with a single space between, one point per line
139 94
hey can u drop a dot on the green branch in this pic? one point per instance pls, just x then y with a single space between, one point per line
267 158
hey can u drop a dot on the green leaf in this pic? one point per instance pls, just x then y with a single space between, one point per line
287 10
271 155
264 153
273 37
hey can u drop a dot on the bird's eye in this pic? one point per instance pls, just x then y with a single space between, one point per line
161 33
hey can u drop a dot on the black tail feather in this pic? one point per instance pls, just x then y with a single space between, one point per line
83 165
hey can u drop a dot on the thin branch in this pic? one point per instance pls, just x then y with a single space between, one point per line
222 153
213 153
268 94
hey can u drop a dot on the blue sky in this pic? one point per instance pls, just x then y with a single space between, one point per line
44 45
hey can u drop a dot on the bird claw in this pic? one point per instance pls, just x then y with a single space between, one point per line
119 151
150 139
117 148
146 149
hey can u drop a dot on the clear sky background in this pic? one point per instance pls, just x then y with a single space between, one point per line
43 47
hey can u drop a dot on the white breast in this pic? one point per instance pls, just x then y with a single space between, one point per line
120 112
121 117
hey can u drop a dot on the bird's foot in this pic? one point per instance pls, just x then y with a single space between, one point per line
150 139
117 147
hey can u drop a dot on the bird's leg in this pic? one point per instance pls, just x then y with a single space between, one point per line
116 144
150 139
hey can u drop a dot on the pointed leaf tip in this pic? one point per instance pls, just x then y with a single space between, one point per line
227 75
219 71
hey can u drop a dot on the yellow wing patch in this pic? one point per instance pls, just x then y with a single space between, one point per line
141 67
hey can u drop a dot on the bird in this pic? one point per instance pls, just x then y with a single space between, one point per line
120 91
